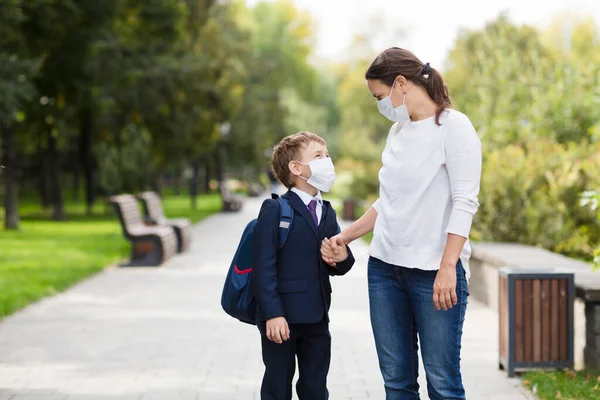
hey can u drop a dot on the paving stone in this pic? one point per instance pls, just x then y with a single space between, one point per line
104 397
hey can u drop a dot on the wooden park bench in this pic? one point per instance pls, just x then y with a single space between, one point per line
255 189
150 245
155 216
231 202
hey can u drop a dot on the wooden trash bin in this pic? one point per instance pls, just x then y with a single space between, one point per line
536 319
349 210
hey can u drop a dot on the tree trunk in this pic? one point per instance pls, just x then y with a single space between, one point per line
194 183
221 172
221 163
45 189
44 180
10 171
207 172
58 212
123 180
76 179
178 180
87 158
156 184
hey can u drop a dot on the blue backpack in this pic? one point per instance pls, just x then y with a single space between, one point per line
237 299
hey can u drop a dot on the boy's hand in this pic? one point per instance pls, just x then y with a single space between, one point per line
334 250
278 330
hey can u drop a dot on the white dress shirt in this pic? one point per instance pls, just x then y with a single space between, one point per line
307 198
429 185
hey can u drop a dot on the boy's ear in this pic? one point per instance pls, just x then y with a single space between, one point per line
295 168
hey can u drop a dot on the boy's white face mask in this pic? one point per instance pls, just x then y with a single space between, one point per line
322 173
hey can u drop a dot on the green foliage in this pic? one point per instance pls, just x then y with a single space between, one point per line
363 131
514 85
120 165
17 66
363 128
357 179
591 199
530 194
564 385
96 89
152 77
279 95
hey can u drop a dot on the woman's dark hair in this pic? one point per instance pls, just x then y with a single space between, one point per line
396 61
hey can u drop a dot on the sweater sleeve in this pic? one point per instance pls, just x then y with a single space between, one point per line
377 205
463 163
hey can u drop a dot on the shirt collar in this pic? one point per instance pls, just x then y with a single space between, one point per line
306 198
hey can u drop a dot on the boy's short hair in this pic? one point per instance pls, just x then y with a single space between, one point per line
288 149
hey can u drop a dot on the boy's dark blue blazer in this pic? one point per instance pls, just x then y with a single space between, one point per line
293 281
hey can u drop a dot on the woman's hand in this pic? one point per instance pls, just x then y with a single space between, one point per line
444 288
334 250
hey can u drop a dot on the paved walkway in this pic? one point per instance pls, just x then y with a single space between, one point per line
160 334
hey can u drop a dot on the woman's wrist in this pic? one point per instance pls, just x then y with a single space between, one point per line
448 264
360 227
346 236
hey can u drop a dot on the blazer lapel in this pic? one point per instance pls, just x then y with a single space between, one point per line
328 221
324 219
298 205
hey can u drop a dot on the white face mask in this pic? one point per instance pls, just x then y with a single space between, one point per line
386 108
322 173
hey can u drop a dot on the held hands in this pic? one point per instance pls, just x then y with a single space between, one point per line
444 288
278 330
334 250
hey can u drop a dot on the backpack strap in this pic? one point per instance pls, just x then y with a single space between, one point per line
286 216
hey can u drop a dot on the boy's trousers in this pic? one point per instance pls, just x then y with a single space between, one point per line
311 344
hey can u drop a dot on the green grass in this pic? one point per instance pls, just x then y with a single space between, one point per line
180 206
45 257
564 385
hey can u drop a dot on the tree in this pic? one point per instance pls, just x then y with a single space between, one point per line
279 81
17 70
175 90
515 86
63 32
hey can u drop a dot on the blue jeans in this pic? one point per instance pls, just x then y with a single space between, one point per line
401 303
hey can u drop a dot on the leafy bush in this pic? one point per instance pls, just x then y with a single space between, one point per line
531 194
592 199
357 179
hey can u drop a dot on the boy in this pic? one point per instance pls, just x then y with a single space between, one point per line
291 285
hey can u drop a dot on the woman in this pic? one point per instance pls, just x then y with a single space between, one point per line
418 265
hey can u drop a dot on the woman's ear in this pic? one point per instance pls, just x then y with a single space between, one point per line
401 83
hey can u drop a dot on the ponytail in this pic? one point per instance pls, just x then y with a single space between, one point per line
437 90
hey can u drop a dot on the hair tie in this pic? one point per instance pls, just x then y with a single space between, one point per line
426 69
